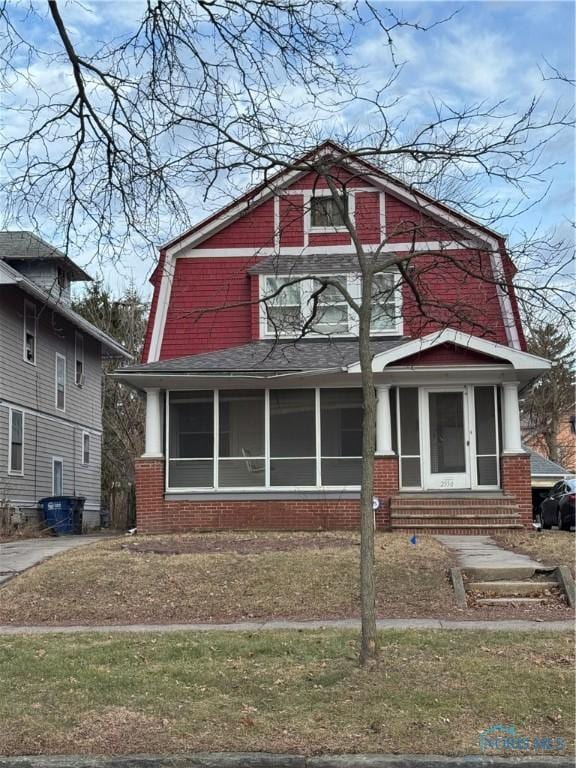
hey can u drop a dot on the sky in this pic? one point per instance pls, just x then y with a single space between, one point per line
492 51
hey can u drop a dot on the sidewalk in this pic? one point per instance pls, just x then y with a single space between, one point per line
511 625
20 554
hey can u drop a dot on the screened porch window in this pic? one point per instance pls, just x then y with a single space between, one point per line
487 451
409 437
281 438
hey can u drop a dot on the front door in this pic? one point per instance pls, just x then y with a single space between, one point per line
446 454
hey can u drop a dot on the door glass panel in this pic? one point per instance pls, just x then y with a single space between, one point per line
447 444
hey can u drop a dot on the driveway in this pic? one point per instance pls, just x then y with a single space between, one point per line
18 556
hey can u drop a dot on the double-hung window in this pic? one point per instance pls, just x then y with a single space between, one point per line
330 315
284 307
384 309
79 359
30 332
60 393
16 442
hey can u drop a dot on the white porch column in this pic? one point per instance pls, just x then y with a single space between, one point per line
511 434
383 422
153 444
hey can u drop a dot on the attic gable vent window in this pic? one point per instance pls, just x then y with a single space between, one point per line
326 213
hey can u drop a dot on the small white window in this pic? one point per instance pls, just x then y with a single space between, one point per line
30 333
57 477
325 212
16 442
79 356
60 382
85 448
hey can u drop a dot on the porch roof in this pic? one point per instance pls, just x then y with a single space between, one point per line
269 357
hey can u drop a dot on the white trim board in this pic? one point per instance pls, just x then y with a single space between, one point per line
518 359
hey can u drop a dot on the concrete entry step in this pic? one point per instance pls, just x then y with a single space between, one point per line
526 601
513 588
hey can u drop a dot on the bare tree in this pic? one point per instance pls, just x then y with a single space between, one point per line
217 93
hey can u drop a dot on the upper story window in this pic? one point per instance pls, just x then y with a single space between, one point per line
326 311
16 443
79 360
60 382
30 332
326 212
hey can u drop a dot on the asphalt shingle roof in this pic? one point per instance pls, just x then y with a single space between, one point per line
18 246
269 356
312 264
540 465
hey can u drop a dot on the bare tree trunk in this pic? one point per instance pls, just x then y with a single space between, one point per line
369 649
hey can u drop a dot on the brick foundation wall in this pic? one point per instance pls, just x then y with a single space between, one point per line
156 515
515 480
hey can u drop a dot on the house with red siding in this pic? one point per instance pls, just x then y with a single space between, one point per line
251 368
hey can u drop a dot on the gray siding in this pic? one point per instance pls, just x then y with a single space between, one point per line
48 432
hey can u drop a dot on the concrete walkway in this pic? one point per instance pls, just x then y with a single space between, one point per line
21 554
505 625
483 552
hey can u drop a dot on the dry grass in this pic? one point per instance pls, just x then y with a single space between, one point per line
431 692
288 576
549 547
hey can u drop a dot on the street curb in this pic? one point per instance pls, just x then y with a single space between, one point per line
269 760
504 625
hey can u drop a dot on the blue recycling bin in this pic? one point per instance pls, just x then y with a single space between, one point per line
63 514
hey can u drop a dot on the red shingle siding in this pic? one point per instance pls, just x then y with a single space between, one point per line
404 221
196 320
292 221
156 515
253 230
450 296
368 216
447 354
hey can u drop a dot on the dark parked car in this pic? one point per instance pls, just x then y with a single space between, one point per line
558 507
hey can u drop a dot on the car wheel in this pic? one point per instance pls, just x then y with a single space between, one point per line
563 523
546 525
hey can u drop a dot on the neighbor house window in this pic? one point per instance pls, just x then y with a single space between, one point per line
57 477
326 212
60 382
278 438
29 332
16 442
85 448
79 359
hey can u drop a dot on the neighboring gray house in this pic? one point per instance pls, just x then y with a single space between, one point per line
50 380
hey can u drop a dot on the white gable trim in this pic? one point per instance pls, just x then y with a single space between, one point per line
520 361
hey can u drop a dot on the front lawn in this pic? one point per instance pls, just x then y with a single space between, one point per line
549 547
431 692
228 577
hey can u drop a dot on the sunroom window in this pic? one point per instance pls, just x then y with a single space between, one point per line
280 438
